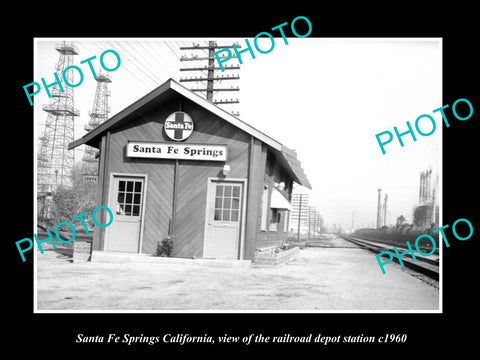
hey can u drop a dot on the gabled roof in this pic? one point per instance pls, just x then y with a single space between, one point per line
160 95
167 91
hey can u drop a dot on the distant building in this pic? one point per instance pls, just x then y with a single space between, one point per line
400 221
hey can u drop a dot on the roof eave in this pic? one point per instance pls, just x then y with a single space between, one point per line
296 171
172 84
121 115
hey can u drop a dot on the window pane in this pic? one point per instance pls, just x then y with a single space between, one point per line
226 215
217 214
228 190
138 186
234 215
136 210
235 203
218 202
226 203
121 197
129 185
219 191
128 199
273 216
121 185
128 209
236 191
120 210
136 199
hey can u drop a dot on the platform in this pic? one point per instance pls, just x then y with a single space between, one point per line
334 278
122 257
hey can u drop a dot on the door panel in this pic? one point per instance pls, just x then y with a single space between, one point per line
126 202
224 215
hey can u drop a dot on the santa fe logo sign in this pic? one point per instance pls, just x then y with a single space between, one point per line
178 126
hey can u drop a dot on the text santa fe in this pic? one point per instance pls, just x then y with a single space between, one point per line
177 151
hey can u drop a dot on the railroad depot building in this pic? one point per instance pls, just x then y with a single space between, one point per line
174 163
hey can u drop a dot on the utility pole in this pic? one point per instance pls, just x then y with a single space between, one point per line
299 217
210 69
379 208
353 220
385 206
309 218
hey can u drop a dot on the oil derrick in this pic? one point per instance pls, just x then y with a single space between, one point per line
209 82
98 115
55 163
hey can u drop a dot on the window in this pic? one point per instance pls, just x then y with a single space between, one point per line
285 221
263 222
274 219
227 203
129 197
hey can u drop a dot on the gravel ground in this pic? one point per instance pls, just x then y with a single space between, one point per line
333 276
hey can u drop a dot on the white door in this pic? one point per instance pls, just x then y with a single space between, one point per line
126 202
224 220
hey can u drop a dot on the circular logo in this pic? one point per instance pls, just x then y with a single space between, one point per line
178 126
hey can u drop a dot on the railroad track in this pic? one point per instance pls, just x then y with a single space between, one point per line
426 265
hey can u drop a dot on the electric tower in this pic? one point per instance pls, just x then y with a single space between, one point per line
209 70
98 115
54 162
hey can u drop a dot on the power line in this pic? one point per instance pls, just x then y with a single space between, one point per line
164 58
140 66
102 45
153 66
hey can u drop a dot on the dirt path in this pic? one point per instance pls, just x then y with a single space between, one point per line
322 278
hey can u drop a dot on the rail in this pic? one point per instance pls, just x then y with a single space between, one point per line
428 266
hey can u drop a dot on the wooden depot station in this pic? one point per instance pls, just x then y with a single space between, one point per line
174 163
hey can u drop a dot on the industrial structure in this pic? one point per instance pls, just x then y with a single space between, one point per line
209 70
54 162
98 115
379 208
426 212
385 210
382 209
425 189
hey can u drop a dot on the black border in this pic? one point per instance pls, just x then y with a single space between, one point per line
428 334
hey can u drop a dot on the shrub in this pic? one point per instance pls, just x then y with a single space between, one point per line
165 247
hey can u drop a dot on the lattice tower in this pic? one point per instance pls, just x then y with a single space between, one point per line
55 162
98 115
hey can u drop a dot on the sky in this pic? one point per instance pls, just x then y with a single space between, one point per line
326 98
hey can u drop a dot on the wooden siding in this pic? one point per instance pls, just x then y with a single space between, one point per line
192 175
99 233
158 207
274 174
258 154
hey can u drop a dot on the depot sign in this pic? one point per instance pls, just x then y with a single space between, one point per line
151 150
